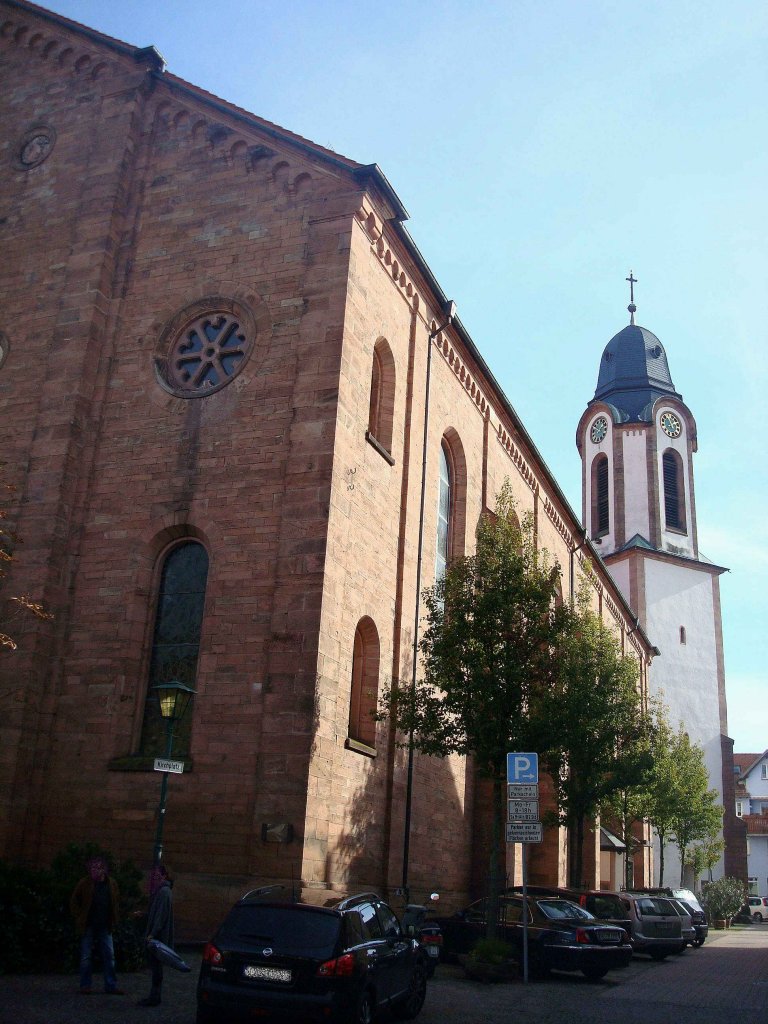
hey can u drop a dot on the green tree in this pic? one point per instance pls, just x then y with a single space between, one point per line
661 796
600 745
696 815
681 807
492 624
629 805
703 856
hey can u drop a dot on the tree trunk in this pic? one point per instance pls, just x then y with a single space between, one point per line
576 842
661 858
494 881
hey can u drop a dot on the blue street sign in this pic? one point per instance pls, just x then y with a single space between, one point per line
522 767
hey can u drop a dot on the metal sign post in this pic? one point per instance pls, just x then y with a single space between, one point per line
525 913
523 825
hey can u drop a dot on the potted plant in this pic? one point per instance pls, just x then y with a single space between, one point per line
490 960
722 900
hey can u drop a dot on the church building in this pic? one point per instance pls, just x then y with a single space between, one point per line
637 438
244 428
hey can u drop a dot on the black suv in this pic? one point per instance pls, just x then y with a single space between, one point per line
293 961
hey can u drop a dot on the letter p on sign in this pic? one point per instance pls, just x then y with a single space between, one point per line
522 767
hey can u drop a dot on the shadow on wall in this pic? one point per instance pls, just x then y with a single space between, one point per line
440 835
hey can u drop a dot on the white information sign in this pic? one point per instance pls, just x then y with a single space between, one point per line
524 832
522 810
162 764
522 791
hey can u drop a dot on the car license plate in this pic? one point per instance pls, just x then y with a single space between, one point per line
663 926
255 973
433 950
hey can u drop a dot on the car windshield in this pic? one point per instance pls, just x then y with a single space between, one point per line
290 929
558 909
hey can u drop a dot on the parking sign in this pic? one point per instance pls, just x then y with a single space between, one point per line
522 767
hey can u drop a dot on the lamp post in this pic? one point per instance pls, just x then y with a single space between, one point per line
174 699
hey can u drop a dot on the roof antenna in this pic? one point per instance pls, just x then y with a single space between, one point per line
631 307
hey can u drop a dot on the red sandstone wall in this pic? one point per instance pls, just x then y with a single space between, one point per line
150 200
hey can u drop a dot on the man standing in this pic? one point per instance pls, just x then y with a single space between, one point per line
159 926
94 905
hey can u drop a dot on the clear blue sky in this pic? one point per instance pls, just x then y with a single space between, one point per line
543 149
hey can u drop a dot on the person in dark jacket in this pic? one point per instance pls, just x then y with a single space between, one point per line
159 926
95 907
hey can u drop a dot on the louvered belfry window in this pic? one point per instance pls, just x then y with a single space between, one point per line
674 493
601 521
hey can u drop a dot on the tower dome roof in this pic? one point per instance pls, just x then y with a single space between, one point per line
633 373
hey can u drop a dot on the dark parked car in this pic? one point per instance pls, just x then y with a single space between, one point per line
656 926
562 936
686 924
699 919
605 905
294 961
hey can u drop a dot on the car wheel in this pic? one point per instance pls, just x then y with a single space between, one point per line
757 916
365 1009
659 954
410 1005
594 973
698 942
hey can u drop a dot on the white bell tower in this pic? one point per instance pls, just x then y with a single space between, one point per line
637 439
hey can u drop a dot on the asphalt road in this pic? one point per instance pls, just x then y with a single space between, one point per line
726 979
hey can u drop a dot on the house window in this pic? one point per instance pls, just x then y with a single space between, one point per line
674 490
175 642
600 502
381 409
682 635
739 808
364 691
764 770
443 515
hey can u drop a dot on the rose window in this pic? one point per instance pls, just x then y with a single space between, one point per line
207 349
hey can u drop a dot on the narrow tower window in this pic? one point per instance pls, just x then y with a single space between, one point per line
674 491
682 635
600 503
443 515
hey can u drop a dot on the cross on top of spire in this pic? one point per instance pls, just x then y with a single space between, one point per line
631 307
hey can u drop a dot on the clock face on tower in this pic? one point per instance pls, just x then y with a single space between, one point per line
599 429
670 424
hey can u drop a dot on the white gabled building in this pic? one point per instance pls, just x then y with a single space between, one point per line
751 806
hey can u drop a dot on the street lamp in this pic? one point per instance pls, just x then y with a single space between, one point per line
174 699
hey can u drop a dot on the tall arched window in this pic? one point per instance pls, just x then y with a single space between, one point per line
674 490
381 410
601 520
364 691
175 642
444 509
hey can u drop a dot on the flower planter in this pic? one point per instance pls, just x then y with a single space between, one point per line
721 924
